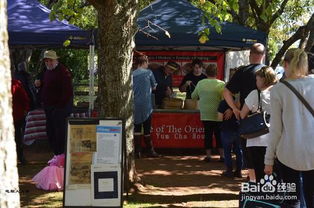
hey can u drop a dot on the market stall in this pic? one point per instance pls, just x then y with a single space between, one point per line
169 30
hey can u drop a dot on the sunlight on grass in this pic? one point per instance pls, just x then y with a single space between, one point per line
50 199
141 205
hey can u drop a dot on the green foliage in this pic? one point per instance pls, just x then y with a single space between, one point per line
77 12
295 14
214 14
74 59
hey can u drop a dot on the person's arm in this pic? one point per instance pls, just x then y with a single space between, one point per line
153 81
251 103
233 87
220 116
182 88
195 95
228 114
276 128
169 90
67 92
227 94
244 111
185 84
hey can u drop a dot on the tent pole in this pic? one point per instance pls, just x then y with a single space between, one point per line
91 78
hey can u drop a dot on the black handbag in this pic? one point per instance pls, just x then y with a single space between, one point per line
255 124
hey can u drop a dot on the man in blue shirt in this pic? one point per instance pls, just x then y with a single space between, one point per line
143 84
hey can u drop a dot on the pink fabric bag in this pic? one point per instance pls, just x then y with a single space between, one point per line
51 177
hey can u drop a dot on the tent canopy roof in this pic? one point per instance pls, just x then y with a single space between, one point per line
29 25
183 21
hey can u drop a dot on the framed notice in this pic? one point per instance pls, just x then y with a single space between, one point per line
94 163
106 188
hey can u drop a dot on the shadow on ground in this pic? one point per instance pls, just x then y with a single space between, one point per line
168 181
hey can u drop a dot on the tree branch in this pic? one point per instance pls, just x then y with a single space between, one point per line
244 11
310 42
286 44
95 3
278 12
51 3
255 8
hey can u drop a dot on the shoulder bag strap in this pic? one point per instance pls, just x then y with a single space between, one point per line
259 101
306 104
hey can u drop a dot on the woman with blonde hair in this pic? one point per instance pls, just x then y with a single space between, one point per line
256 147
292 129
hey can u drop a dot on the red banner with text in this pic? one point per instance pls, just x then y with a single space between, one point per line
177 130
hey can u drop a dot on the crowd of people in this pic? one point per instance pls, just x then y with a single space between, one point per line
253 88
289 145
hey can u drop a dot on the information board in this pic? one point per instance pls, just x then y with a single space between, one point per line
94 163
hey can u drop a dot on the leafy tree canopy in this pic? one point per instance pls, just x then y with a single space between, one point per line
278 18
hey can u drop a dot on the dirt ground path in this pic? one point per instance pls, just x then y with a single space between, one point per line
185 181
169 181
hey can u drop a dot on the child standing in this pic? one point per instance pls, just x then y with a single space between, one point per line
230 138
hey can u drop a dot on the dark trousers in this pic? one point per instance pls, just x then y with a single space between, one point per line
246 162
56 127
18 134
212 127
231 139
146 126
256 157
290 175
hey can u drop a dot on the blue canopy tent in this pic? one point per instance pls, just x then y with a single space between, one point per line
29 26
183 21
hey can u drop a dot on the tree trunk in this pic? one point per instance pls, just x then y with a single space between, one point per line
244 11
9 195
116 30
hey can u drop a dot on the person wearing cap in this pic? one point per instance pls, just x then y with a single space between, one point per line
57 99
163 76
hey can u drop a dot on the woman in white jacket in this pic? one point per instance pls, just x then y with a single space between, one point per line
292 129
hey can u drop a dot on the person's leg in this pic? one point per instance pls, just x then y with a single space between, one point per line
258 155
226 140
246 163
137 140
251 171
18 126
59 124
293 177
216 129
238 153
147 138
50 128
308 184
208 139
